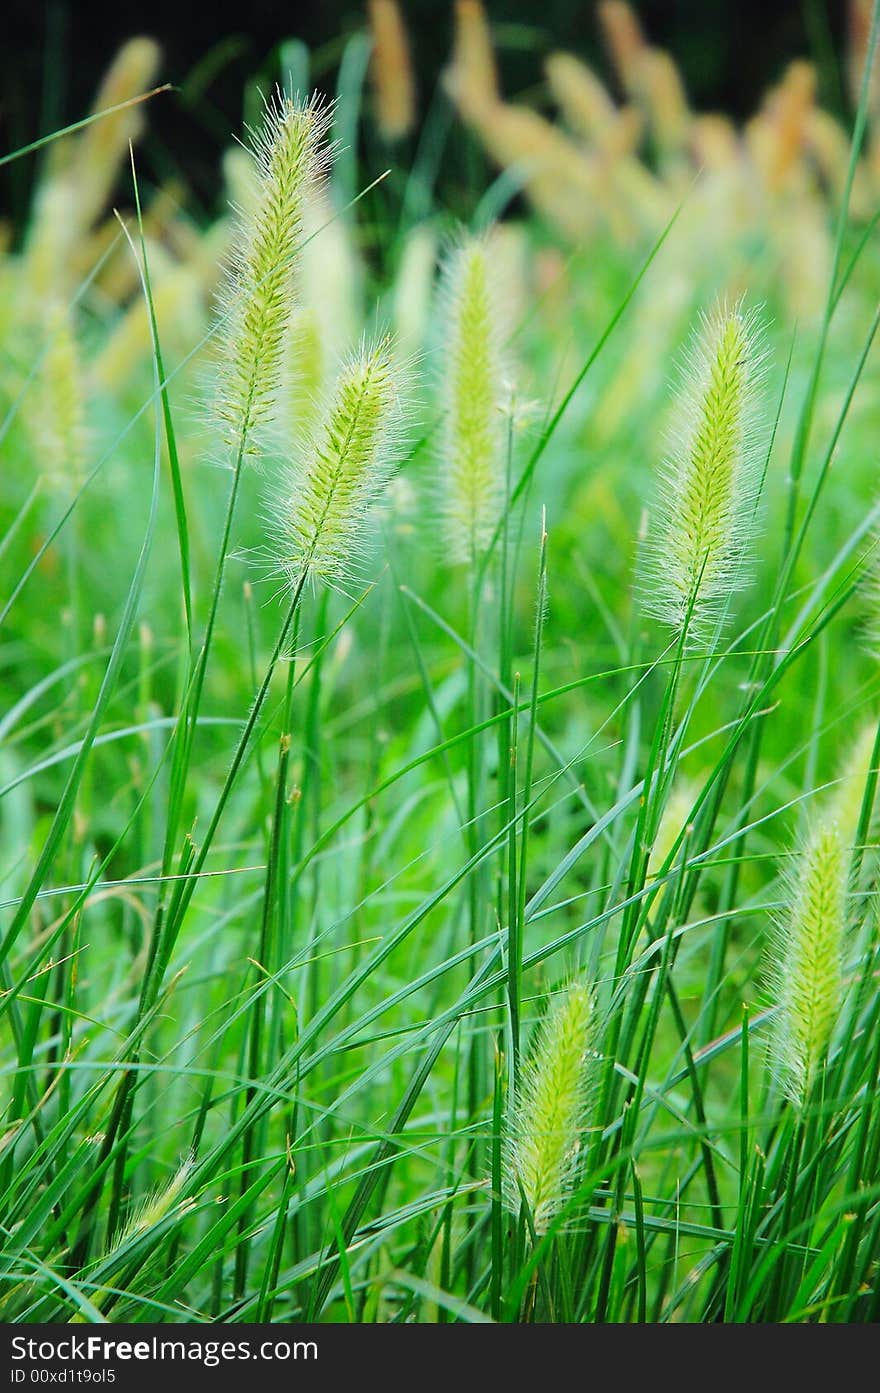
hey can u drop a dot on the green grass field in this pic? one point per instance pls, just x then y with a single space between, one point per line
439 742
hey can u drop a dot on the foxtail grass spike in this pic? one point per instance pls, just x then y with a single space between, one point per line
325 318
582 98
472 77
624 39
393 77
82 170
471 486
331 277
56 414
663 98
546 1129
707 505
338 472
302 372
150 1212
807 953
178 303
290 156
156 1205
413 288
103 147
846 807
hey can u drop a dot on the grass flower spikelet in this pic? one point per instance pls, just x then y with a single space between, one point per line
850 791
393 77
157 1205
57 414
337 472
290 155
707 503
550 1109
472 481
806 972
82 170
302 373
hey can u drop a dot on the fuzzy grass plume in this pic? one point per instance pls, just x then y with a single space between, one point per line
56 413
545 1133
393 77
83 169
149 1214
157 1205
850 791
413 287
472 76
302 372
325 318
179 305
339 469
472 481
806 971
587 107
102 148
290 157
707 502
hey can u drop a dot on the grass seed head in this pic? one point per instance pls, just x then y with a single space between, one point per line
472 482
82 171
846 806
546 1130
674 819
302 372
290 155
56 413
707 504
392 70
156 1205
584 101
472 77
102 148
413 287
806 969
624 39
179 306
338 471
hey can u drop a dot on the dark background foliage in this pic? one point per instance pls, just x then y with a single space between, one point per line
56 51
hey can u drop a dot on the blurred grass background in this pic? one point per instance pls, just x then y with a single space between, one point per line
57 51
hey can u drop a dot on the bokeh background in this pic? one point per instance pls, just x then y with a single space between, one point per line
56 51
